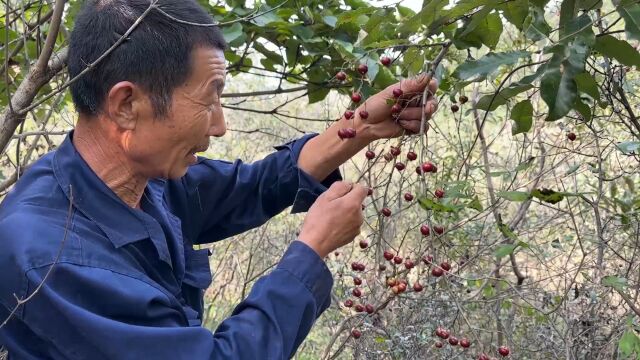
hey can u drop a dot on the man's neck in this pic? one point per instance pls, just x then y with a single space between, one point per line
100 146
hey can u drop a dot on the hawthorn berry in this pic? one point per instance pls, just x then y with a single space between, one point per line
465 343
356 97
369 309
397 260
427 259
364 114
427 167
341 76
411 156
359 308
503 350
348 114
439 193
388 156
357 281
356 333
386 212
382 267
424 230
483 357
453 340
362 69
409 264
351 132
348 303
396 108
388 255
399 166
395 151
385 60
397 92
356 292
571 136
445 266
408 196
363 244
463 99
417 287
370 155
455 108
437 271
438 229
438 344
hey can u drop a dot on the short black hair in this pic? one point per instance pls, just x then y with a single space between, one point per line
155 56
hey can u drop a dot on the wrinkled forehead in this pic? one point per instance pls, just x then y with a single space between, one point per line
209 63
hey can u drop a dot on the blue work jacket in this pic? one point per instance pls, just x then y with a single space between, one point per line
128 284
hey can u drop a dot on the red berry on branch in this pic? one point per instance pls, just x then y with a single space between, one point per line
399 166
395 151
388 156
402 287
397 260
363 244
388 255
355 266
438 229
408 196
369 308
342 134
362 69
419 170
571 136
382 267
397 92
424 229
386 212
445 266
359 308
409 264
395 289
437 271
455 108
453 340
348 114
341 76
348 303
438 344
427 167
356 333
439 193
369 191
427 259
356 97
357 281
391 282
465 343
350 132
411 156
503 350
370 155
364 114
385 60
356 292
483 357
361 267
463 99
417 287
396 108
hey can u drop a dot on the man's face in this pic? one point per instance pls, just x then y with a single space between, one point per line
166 147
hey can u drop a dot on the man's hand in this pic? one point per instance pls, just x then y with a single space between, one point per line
334 219
381 124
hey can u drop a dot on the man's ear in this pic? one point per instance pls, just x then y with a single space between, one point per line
125 104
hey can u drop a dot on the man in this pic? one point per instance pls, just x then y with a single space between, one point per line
99 234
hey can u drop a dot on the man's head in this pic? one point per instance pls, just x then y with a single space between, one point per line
159 90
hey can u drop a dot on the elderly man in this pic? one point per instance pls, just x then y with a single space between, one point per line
102 229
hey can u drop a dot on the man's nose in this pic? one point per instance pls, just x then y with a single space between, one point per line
218 126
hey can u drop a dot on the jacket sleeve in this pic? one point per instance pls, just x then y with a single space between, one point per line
222 199
94 313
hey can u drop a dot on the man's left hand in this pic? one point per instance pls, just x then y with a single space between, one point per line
382 124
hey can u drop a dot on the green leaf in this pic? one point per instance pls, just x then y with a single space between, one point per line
413 60
522 114
504 250
476 20
589 4
516 12
583 109
424 17
548 195
587 84
486 32
567 13
475 204
514 195
535 26
631 16
351 16
558 88
330 20
317 93
616 282
492 101
233 34
428 204
487 64
629 343
629 147
620 50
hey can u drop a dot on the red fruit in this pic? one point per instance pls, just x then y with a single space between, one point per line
408 196
411 156
399 166
424 229
439 193
369 308
356 97
391 282
397 92
388 156
409 264
453 340
342 134
397 260
341 76
357 281
445 266
385 60
356 333
438 229
395 151
363 244
369 191
427 259
382 267
388 255
417 287
437 271
348 114
419 170
355 266
396 108
348 303
359 308
402 287
395 289
455 108
571 136
483 357
442 333
503 350
336 253
465 343
427 167
362 69
361 267
370 155
350 132
364 114
386 212
445 334
356 292
463 99
438 344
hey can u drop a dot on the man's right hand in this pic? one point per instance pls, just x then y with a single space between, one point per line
335 218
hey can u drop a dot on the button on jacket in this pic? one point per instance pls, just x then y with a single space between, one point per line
127 283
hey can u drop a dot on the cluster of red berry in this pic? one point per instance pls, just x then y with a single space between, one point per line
453 341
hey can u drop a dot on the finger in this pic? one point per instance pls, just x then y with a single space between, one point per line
357 194
337 190
417 84
413 126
